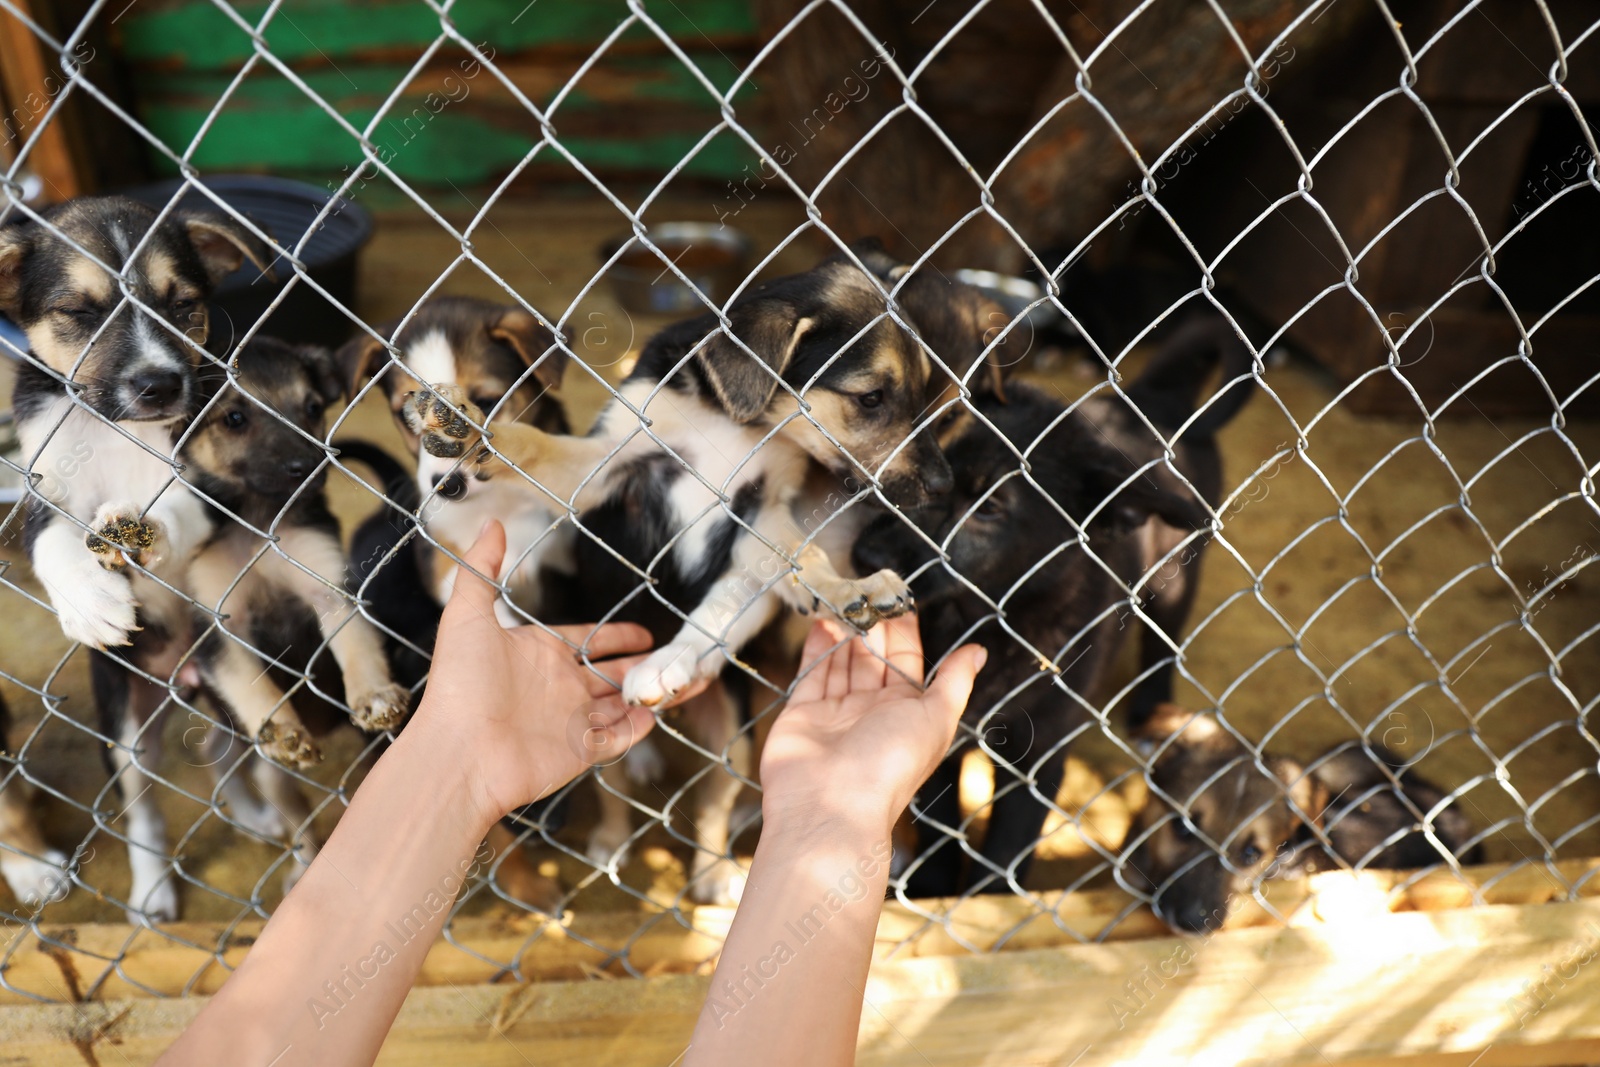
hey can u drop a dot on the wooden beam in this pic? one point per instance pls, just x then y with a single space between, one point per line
1409 988
26 78
76 962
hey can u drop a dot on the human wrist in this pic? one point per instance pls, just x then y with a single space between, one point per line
456 769
827 822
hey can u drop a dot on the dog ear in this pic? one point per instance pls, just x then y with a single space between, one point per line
1189 728
876 258
13 250
744 384
324 369
358 358
223 244
1305 789
529 339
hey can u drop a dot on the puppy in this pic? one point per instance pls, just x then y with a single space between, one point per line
1033 563
507 363
114 308
690 473
36 873
1244 826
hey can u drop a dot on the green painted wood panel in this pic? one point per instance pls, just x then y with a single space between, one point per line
194 34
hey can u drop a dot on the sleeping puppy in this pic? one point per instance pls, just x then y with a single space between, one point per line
508 364
36 873
1244 826
692 470
106 394
273 572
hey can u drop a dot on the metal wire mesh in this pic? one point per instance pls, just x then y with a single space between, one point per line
1480 724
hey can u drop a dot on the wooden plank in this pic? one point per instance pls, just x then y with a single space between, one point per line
1388 989
30 84
195 34
71 962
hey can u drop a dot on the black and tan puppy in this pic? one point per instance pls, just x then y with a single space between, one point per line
1055 515
36 873
114 308
1245 824
273 572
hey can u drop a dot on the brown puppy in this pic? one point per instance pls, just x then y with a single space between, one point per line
274 575
1244 826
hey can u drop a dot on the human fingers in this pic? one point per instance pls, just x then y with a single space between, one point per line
605 677
613 728
868 668
473 594
948 695
837 684
902 642
811 682
611 639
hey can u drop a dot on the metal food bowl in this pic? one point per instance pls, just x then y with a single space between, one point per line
1015 295
712 257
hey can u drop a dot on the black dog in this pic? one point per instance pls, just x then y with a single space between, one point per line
1043 597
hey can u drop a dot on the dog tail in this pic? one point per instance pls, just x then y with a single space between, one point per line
395 481
1168 390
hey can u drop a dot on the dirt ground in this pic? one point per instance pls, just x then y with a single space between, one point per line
1365 581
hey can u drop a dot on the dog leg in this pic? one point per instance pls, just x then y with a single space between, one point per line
376 701
933 869
1024 791
260 707
153 892
283 795
232 787
714 876
608 840
94 605
517 876
36 873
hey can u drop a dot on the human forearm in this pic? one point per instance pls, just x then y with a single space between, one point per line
788 987
334 964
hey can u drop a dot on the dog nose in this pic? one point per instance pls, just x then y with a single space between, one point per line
1191 915
296 468
937 481
157 388
450 486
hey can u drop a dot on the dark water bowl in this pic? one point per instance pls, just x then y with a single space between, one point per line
285 209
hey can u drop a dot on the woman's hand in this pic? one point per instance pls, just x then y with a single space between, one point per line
860 733
519 706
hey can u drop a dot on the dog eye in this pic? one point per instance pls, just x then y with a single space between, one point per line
234 419
991 508
81 312
1248 855
1181 830
870 400
313 407
181 305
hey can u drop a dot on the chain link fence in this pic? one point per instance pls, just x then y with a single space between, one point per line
1352 641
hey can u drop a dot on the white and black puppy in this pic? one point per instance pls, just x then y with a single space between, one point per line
692 470
113 304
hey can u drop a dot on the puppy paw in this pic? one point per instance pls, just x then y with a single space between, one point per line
667 671
97 607
716 881
154 903
36 882
119 537
644 763
865 602
380 709
443 417
289 746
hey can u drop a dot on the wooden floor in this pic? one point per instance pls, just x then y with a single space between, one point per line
1287 605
